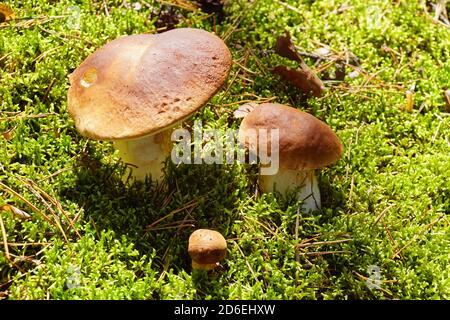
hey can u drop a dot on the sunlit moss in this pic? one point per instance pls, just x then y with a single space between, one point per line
387 200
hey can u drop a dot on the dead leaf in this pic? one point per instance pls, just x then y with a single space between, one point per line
339 73
15 211
211 6
285 48
303 79
6 13
245 109
322 52
9 134
351 58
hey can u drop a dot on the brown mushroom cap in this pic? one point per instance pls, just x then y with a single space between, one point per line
141 84
207 246
305 142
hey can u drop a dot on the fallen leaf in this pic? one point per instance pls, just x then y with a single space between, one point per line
245 109
6 13
339 73
167 19
15 211
8 135
303 79
322 52
354 74
285 48
211 6
351 58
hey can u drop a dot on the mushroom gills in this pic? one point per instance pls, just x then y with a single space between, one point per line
147 155
286 180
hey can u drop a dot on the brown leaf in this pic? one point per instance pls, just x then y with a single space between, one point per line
15 211
8 135
211 6
304 79
339 74
245 109
285 48
6 13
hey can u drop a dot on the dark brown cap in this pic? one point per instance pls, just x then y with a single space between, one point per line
305 142
207 246
141 84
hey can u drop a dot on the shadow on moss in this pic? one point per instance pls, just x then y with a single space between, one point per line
158 216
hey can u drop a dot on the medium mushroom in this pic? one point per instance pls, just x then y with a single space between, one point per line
206 248
135 89
305 144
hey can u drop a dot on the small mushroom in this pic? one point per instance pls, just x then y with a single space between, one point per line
136 88
206 248
305 144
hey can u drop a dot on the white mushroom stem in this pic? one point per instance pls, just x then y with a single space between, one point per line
286 180
146 156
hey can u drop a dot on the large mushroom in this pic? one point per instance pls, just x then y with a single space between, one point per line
136 88
305 144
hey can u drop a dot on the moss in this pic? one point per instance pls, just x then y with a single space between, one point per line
387 199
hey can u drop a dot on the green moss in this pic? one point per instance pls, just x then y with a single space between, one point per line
388 197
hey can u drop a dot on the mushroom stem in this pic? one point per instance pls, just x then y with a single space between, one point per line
286 180
146 155
204 266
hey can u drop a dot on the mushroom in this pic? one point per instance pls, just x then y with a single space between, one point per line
305 144
206 248
135 89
